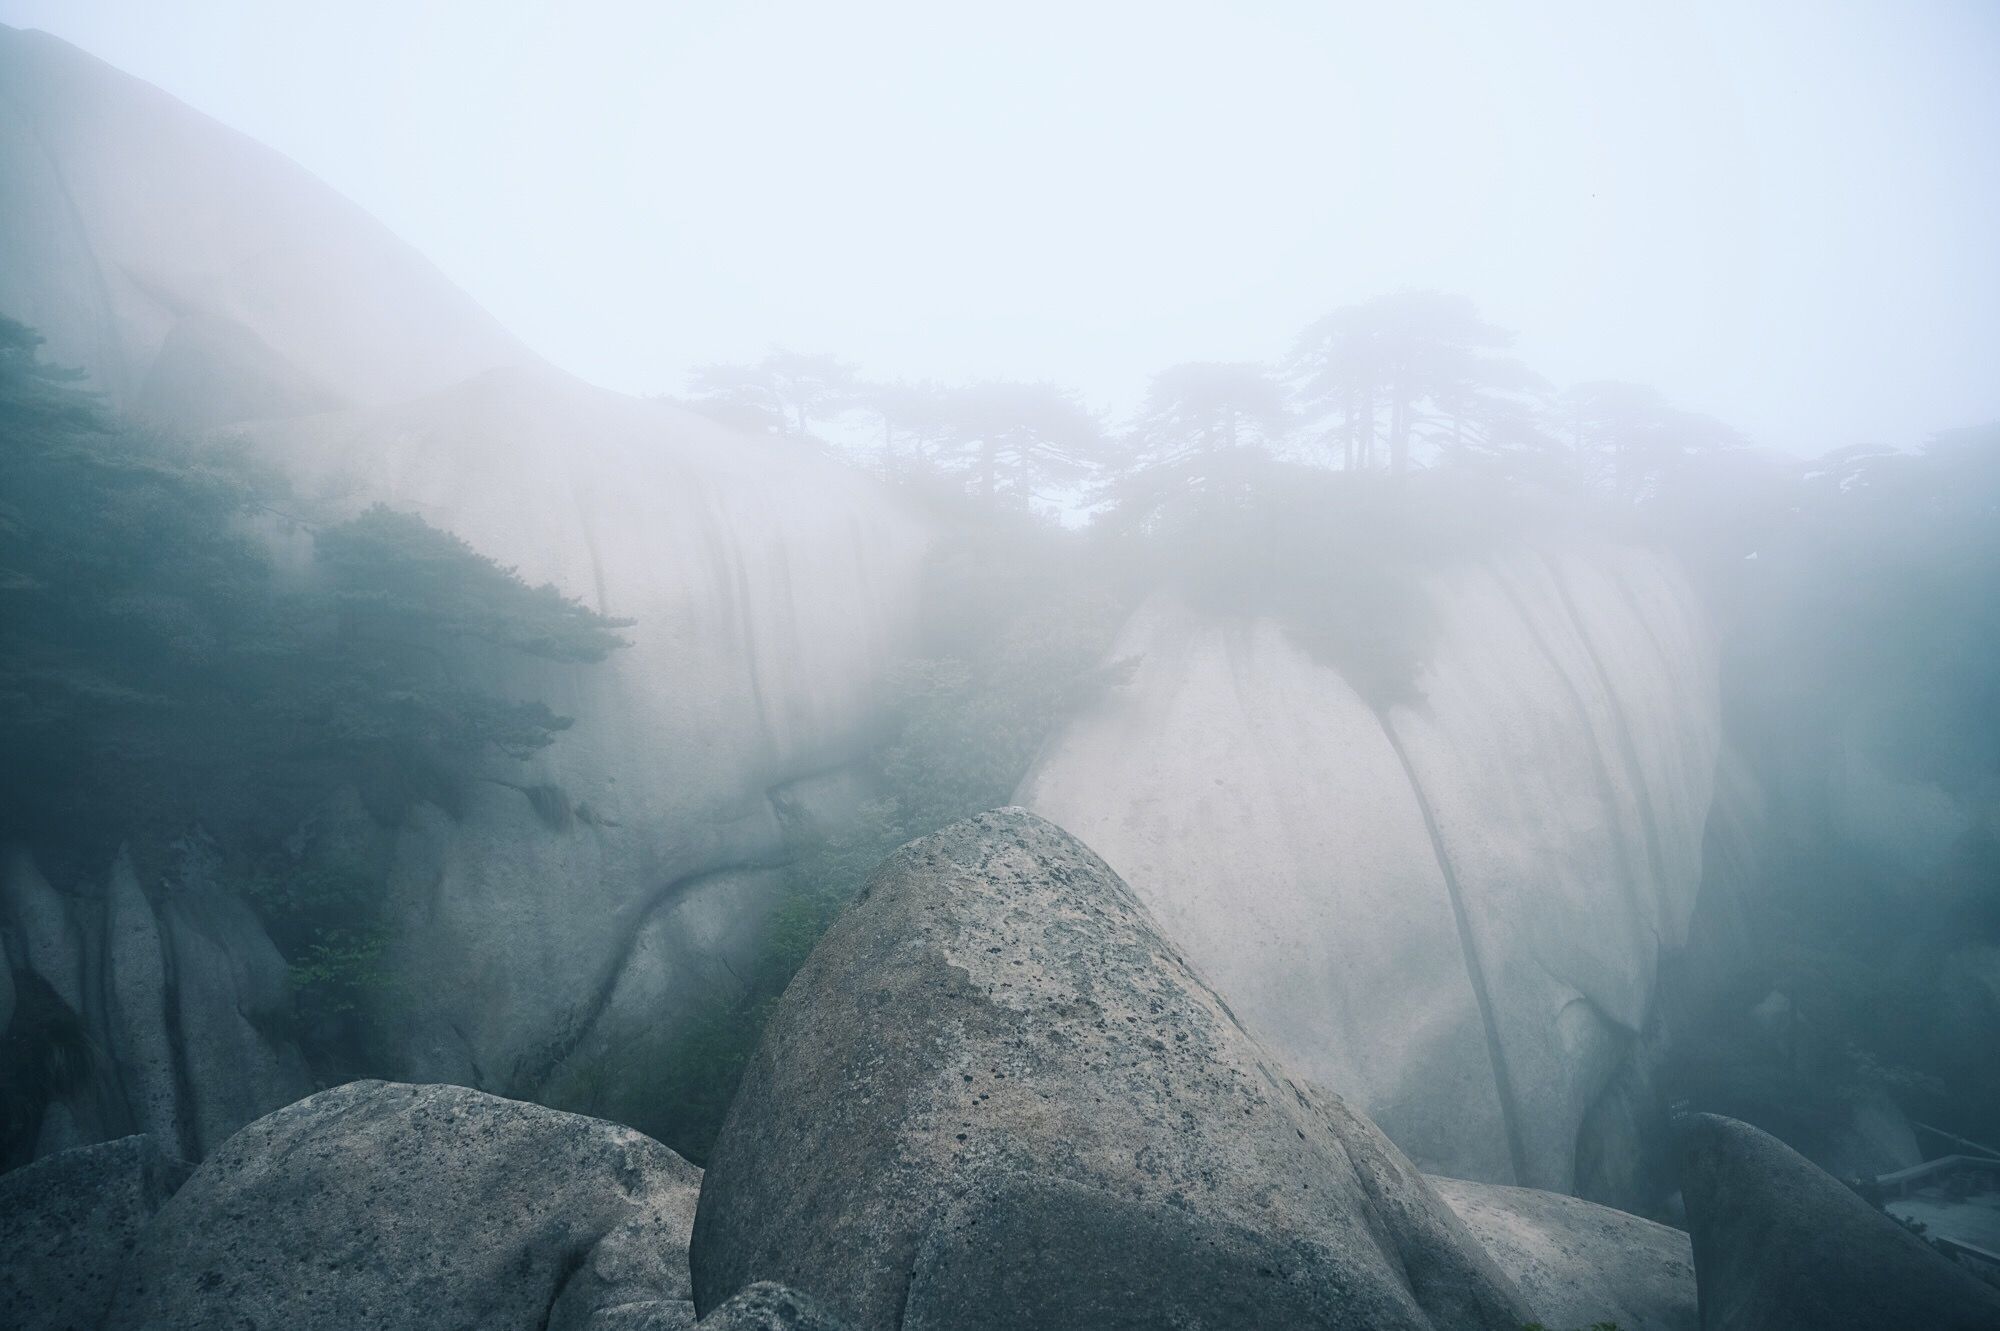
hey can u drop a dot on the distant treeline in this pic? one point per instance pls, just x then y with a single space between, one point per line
1397 383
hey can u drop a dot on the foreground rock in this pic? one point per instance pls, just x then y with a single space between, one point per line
995 1033
1779 1244
1580 1264
392 1206
768 1307
69 1222
1455 910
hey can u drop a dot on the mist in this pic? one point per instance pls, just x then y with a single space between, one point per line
763 666
1780 215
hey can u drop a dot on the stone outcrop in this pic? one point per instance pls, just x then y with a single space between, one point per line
1580 1264
1780 1244
996 1031
396 1206
68 1225
1455 909
170 995
770 591
200 277
566 909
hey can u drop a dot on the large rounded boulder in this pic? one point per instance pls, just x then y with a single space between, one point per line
996 1039
394 1206
1781 1245
68 1224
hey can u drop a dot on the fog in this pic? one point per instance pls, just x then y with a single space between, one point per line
869 668
1779 214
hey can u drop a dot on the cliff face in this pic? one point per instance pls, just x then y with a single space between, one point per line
176 993
198 276
561 906
770 591
1454 910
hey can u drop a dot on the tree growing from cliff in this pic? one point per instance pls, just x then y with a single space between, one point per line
785 393
1417 367
158 673
1622 438
1016 442
1202 429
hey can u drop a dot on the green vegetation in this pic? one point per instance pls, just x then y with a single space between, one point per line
161 670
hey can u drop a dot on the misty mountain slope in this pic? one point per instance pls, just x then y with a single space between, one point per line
769 591
201 277
1453 910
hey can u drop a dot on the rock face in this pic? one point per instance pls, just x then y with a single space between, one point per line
171 994
201 277
387 1205
996 1032
68 1224
570 907
770 592
1580 1264
1455 910
1780 1244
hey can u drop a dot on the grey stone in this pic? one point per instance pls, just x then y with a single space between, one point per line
1454 910
1035 1252
769 1307
230 997
137 1034
395 1206
997 1004
257 293
1873 1137
1779 1245
68 1225
1579 1263
181 994
650 1315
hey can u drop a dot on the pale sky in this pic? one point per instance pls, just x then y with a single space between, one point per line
1784 213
